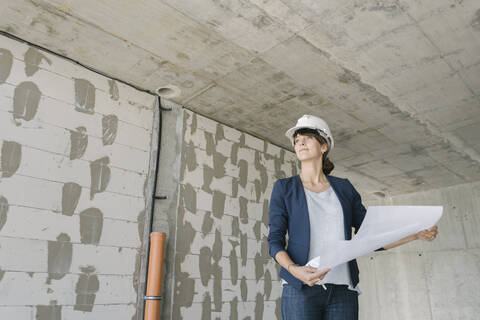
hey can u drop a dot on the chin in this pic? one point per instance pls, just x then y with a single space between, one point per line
306 157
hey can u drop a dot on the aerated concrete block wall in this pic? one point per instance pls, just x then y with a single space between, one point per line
222 266
75 153
436 280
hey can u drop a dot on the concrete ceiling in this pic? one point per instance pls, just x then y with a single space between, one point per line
398 81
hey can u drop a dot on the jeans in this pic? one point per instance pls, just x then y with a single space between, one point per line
335 303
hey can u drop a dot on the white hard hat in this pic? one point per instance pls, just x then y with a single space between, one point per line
312 122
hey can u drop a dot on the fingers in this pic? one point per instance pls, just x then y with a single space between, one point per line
324 272
428 234
310 275
310 269
316 277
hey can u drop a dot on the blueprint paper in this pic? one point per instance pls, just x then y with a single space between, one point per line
382 225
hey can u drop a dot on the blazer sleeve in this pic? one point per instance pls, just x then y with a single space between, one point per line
359 210
278 220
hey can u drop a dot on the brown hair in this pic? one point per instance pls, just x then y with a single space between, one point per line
327 165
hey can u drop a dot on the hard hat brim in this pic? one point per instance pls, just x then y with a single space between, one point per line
290 132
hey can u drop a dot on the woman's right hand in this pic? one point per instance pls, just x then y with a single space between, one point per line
308 275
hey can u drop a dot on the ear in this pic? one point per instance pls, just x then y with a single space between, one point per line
324 148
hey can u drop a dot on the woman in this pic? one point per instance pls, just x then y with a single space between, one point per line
314 207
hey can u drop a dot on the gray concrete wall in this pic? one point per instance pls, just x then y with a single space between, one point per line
222 266
431 281
165 210
75 154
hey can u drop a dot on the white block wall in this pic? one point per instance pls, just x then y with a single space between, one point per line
91 274
222 266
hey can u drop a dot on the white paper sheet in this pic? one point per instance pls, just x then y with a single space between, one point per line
382 225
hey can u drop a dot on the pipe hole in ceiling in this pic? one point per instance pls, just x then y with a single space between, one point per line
168 91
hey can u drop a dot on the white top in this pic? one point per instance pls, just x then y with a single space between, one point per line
326 224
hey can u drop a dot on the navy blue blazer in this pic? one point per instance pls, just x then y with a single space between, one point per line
289 213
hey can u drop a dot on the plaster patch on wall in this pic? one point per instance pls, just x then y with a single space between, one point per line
210 143
278 308
86 288
3 211
243 288
267 284
259 271
217 270
243 248
78 143
187 233
11 158
262 170
109 129
257 229
189 198
207 307
26 99
264 249
91 226
233 259
243 175
217 286
59 257
217 246
234 309
235 227
190 156
242 201
279 173
32 59
113 90
219 161
71 192
205 264
207 223
234 153
219 134
266 207
6 62
84 96
99 176
218 204
235 184
259 307
207 179
51 312
193 126
141 223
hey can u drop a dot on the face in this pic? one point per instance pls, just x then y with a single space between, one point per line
307 147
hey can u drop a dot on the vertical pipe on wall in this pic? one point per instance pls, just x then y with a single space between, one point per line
156 245
153 298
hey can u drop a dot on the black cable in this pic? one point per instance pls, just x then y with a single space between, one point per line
11 36
154 194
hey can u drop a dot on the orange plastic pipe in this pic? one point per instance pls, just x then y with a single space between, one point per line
154 280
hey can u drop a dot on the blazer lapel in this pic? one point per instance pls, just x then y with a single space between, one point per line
303 209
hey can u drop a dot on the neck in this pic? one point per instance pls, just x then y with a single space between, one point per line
312 173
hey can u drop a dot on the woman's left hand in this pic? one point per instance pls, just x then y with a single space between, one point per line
428 234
